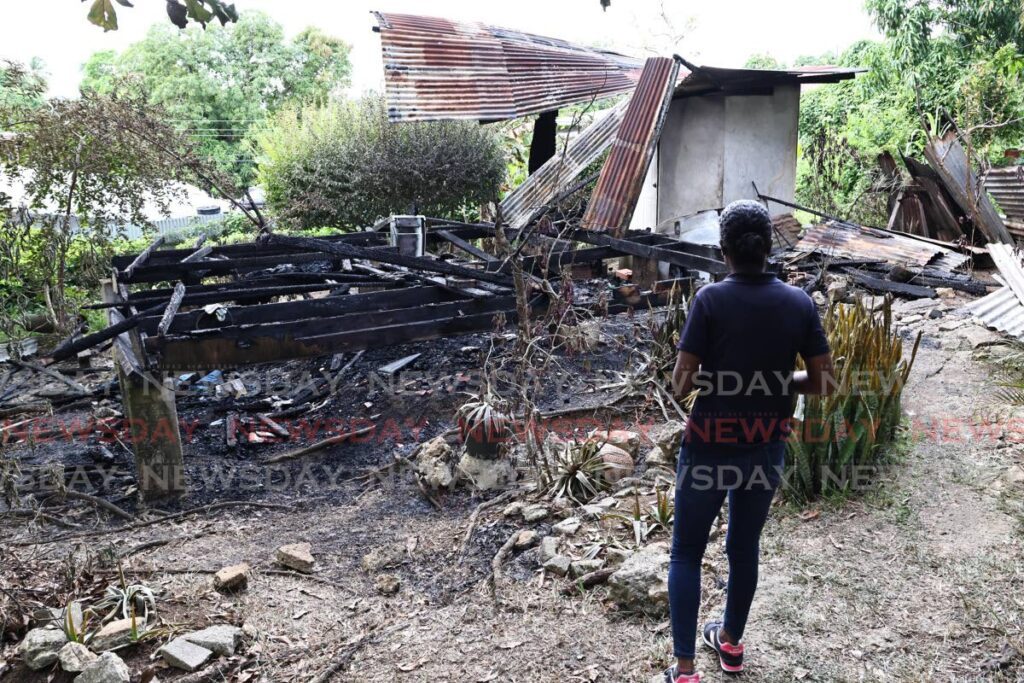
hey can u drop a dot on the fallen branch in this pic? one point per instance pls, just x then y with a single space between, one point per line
349 650
590 580
499 559
99 502
53 374
319 445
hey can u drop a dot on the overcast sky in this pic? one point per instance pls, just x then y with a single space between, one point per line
718 33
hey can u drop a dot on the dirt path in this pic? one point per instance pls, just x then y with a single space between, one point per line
921 578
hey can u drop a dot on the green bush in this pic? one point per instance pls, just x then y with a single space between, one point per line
843 436
345 165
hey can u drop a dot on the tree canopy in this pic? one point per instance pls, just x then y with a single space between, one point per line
219 84
345 165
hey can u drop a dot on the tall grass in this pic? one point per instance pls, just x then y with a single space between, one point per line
843 437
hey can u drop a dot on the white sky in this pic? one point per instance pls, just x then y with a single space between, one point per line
718 32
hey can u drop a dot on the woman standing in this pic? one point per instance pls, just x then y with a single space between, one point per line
739 349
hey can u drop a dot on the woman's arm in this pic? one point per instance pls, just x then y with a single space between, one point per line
683 375
817 379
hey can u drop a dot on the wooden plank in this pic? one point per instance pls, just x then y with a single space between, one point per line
197 255
889 287
143 256
387 256
171 310
466 246
657 253
298 310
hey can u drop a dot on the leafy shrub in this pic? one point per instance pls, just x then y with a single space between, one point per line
345 165
845 434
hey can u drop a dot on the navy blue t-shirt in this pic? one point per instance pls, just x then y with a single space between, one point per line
747 331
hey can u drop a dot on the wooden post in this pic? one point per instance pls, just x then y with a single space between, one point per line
155 435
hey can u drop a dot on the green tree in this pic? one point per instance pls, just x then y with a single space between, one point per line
763 61
220 84
345 165
88 166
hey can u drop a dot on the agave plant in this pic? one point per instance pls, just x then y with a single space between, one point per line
122 600
576 472
484 427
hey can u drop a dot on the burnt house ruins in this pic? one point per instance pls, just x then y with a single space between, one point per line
682 142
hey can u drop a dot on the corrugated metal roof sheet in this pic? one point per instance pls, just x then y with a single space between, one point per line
535 192
622 176
1000 310
441 69
1004 308
864 243
1007 186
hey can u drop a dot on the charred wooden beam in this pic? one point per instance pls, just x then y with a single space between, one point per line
143 256
172 309
889 287
466 246
656 253
297 310
386 256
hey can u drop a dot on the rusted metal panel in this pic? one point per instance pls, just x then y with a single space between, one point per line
947 158
622 176
1006 185
519 207
1000 310
441 69
865 243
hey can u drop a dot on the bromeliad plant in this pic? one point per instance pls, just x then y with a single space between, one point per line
573 471
841 436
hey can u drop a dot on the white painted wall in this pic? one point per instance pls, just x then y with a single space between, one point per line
646 214
713 147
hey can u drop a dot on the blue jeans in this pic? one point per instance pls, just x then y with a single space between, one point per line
703 480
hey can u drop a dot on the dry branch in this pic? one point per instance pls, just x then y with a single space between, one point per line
319 445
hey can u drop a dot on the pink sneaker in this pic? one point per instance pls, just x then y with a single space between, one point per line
672 676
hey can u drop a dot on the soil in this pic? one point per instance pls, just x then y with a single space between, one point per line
919 577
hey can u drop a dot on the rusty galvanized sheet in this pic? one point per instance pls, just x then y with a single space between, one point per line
519 207
622 176
440 69
947 158
865 243
1008 261
1006 185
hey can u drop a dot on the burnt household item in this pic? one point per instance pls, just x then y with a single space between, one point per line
409 234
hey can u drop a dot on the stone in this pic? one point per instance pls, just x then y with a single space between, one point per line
911 319
978 337
640 584
74 657
583 567
181 654
387 584
233 578
525 539
116 634
296 556
535 513
514 509
559 565
837 290
567 527
935 313
383 557
222 639
548 548
620 438
945 292
952 324
618 463
40 646
820 300
108 668
486 475
656 457
434 463
668 436
614 557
